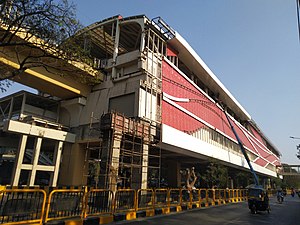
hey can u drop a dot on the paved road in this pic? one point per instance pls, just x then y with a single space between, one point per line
287 213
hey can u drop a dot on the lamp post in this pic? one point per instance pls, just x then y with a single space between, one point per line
294 137
297 146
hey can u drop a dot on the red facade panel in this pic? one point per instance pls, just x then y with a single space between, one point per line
171 52
261 162
186 101
256 134
183 121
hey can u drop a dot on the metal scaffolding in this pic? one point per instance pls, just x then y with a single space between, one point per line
130 149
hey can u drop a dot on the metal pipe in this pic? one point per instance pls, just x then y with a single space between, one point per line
242 149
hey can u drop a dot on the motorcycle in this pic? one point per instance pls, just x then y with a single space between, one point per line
280 197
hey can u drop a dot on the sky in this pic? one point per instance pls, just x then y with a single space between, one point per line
252 46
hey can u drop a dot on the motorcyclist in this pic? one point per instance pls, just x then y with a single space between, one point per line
280 195
292 192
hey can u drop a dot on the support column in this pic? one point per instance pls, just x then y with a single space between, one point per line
116 50
19 160
37 149
269 186
173 174
114 165
231 184
145 167
57 157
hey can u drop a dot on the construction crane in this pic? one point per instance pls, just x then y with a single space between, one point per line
242 148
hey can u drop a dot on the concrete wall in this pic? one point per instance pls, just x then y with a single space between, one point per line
73 166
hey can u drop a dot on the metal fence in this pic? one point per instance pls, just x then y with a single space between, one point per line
65 204
125 200
34 206
145 199
99 202
18 206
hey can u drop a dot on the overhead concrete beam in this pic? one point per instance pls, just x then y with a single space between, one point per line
63 78
29 129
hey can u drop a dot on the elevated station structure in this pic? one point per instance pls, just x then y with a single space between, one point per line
158 110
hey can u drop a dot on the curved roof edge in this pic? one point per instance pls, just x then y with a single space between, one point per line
109 20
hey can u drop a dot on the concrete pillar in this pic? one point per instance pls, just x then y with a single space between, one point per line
36 154
269 183
57 158
116 50
173 173
114 165
145 167
74 166
231 183
19 160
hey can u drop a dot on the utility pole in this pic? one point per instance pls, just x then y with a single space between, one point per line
298 17
297 146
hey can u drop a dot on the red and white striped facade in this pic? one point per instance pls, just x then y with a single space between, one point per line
195 122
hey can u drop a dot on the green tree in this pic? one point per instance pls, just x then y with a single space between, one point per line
216 175
243 179
291 181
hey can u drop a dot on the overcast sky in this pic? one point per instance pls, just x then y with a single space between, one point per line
252 46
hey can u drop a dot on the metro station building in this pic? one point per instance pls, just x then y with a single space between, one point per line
156 110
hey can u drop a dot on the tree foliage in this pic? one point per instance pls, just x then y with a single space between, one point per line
291 181
244 179
216 175
35 32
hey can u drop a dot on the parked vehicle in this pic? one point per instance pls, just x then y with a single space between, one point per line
258 199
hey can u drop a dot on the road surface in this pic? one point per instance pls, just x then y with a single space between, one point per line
287 213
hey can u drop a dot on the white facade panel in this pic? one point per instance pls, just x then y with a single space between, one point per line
189 143
147 105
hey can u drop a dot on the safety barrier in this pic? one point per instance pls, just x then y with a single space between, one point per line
195 198
231 196
124 204
145 199
185 198
65 204
125 200
235 195
203 197
175 199
35 206
218 199
161 201
99 202
18 206
211 196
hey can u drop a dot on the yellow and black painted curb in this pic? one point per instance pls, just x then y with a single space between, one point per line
131 215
